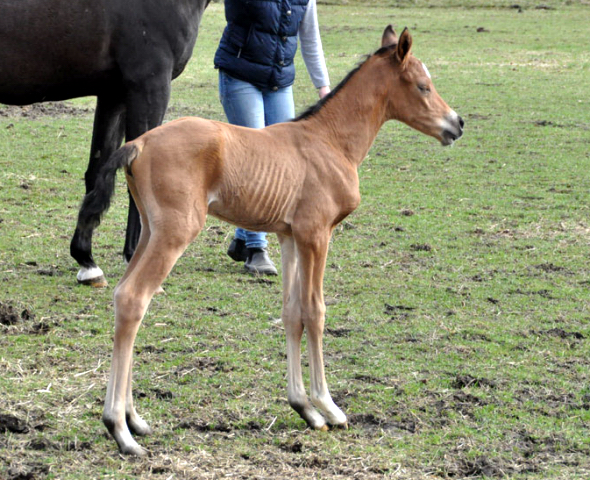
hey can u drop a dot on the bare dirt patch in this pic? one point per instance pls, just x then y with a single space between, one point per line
47 109
13 314
10 423
27 471
16 319
462 381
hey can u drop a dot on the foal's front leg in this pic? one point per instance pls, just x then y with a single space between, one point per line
312 250
291 317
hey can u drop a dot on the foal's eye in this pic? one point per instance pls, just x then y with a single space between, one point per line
423 89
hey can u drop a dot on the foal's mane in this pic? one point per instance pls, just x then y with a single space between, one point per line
311 111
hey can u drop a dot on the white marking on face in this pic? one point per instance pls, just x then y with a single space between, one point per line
426 70
448 121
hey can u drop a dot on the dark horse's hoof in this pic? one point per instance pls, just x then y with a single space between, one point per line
94 277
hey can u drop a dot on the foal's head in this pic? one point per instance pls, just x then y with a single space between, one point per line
419 105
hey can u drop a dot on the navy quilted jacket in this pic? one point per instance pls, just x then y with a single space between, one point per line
260 40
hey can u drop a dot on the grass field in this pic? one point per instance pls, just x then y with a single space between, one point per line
458 321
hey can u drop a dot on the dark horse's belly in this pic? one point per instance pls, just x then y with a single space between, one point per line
53 50
50 91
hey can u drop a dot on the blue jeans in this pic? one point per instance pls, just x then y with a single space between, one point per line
249 106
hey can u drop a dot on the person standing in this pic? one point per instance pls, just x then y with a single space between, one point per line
256 74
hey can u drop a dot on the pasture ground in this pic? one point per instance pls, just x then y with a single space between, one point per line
458 322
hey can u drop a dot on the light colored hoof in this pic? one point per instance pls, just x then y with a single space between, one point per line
323 428
144 432
93 277
99 282
135 450
139 427
159 291
128 445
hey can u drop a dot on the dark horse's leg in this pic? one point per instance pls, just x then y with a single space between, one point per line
108 131
146 107
142 109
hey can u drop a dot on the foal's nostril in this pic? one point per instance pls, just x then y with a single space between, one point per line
461 122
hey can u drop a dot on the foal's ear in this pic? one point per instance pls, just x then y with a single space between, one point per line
389 37
404 47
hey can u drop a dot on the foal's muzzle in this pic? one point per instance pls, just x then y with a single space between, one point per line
452 129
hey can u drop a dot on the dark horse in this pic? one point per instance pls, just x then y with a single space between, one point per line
126 52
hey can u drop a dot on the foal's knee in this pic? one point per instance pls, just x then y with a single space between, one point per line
291 315
313 318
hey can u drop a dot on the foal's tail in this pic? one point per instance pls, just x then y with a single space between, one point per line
96 203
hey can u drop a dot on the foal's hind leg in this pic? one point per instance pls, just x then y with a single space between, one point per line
291 317
136 424
132 297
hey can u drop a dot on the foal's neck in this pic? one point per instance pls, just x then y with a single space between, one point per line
352 118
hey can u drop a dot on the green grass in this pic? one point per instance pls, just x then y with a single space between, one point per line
458 309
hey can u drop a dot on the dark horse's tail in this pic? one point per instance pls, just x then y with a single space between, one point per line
96 203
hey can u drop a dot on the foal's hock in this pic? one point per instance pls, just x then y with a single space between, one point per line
297 179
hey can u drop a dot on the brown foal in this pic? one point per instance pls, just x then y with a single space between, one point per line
297 179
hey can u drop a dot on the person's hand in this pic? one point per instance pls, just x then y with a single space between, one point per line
323 91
